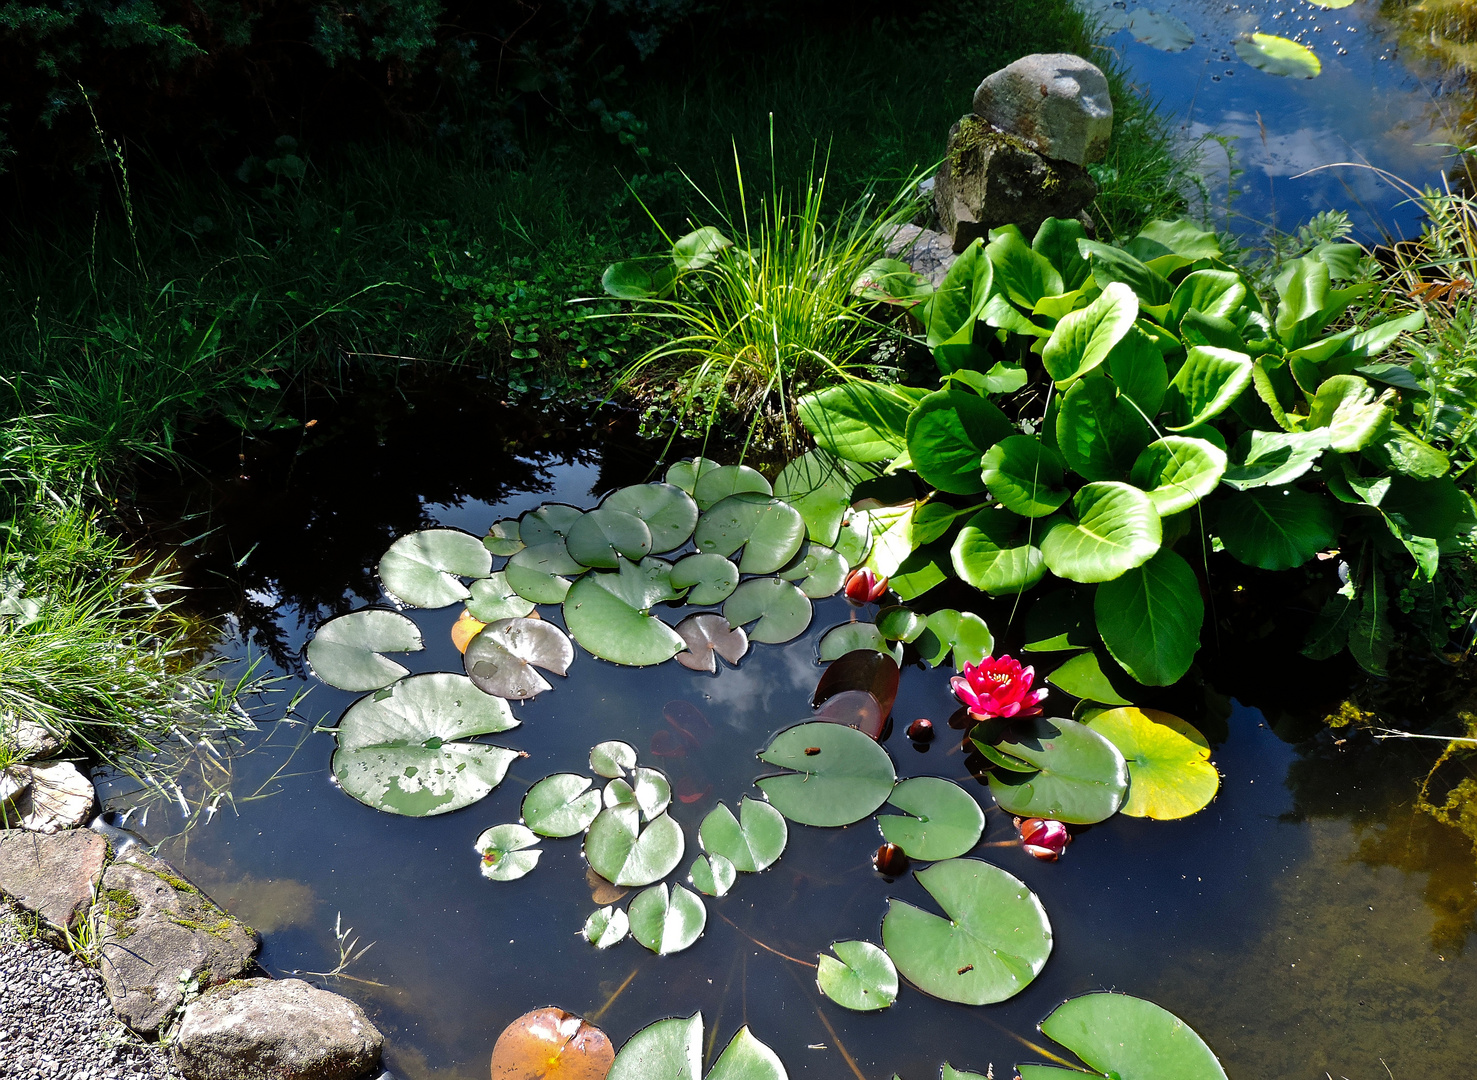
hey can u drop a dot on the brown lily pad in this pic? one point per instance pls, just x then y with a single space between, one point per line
551 1044
861 669
709 636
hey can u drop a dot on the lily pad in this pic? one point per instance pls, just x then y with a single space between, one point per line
1279 56
605 928
551 1044
503 538
1168 762
898 623
673 1050
507 852
709 579
750 842
816 485
612 759
685 474
851 636
856 709
863 978
854 541
602 613
548 524
782 611
345 652
493 599
708 636
712 874
668 922
399 749
623 853
541 573
560 805
652 791
501 659
993 942
940 820
962 633
1081 777
603 536
715 485
840 775
768 529
1160 31
861 670
669 512
424 569
820 571
1128 1037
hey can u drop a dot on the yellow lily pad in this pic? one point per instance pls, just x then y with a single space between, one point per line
1168 762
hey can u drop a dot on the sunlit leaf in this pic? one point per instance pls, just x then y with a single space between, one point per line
501 659
1081 777
1130 1038
602 536
549 524
669 512
816 485
715 485
1265 458
778 610
541 573
863 978
940 820
998 553
1082 676
464 630
667 922
898 623
623 853
345 652
424 569
712 874
769 530
819 571
1117 528
507 851
948 432
709 579
752 841
1025 475
560 805
603 615
685 474
1168 761
1178 472
1083 339
551 1044
1279 56
606 927
708 636
962 633
493 599
612 759
851 636
839 774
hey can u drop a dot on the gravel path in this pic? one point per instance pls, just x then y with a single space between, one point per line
55 1022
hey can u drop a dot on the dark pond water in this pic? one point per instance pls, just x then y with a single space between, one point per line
1309 923
1383 103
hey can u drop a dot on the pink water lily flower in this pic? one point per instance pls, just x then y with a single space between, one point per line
998 688
1045 838
865 587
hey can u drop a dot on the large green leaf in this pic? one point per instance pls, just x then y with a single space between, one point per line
604 535
1346 405
1099 431
1081 777
816 485
1083 339
1168 762
709 579
639 279
994 552
940 820
1027 477
665 1050
962 633
1150 619
1131 1038
782 611
1117 528
1277 528
1405 452
1211 292
1056 240
601 615
699 248
1265 458
956 305
891 532
500 660
667 922
345 652
863 978
424 569
994 939
1082 676
669 512
853 636
1110 264
715 485
948 432
541 573
769 530
1180 237
1138 369
685 474
1206 384
493 599
924 568
1021 273
560 805
818 570
858 420
1304 310
838 774
1178 472
400 749
752 841
623 853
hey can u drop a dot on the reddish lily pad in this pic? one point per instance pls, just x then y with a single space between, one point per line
551 1044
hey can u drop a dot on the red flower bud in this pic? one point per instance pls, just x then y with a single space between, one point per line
1044 838
920 730
890 861
865 587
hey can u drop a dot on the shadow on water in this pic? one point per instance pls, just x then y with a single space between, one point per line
1307 922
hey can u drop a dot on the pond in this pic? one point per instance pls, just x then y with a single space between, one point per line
1308 922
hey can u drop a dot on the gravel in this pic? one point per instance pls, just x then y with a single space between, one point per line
55 1022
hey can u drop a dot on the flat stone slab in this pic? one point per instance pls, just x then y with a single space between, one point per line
161 935
261 1029
51 875
929 253
46 798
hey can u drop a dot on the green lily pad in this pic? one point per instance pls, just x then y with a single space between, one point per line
399 749
1081 777
712 874
1178 472
840 775
538 573
768 529
854 540
1082 676
652 791
898 623
819 570
715 485
668 511
750 842
1130 1038
424 569
962 633
940 820
666 922
345 652
1160 31
851 636
1279 56
782 611
606 927
501 659
816 485
1117 528
623 853
560 805
548 524
603 535
1027 477
602 618
709 579
494 599
948 1072
612 759
503 538
863 978
673 1050
1168 761
685 474
993 942
507 852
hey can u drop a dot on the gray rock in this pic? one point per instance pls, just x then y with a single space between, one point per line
29 740
55 875
162 936
1057 102
929 253
991 178
47 798
258 1029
